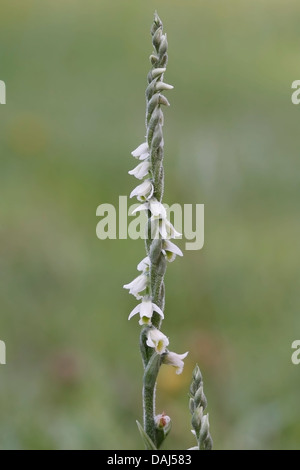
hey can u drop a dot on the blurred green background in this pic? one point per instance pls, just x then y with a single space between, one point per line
76 73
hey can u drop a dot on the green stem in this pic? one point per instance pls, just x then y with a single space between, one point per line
154 123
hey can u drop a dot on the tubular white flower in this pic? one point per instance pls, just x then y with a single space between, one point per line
170 250
157 340
138 285
167 230
141 170
144 264
146 309
175 360
157 209
143 191
141 152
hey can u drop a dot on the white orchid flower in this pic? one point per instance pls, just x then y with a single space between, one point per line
164 228
146 309
141 170
143 191
175 360
167 230
144 264
157 209
170 250
138 285
141 152
157 340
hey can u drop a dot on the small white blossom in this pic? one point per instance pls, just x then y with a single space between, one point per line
141 170
142 152
143 191
138 285
170 250
157 209
175 360
167 230
157 340
144 264
146 309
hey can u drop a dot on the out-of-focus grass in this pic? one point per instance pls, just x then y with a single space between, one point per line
75 74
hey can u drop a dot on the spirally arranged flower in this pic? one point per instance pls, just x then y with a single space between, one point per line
144 265
138 285
175 360
146 309
144 191
157 340
141 152
170 250
141 170
154 206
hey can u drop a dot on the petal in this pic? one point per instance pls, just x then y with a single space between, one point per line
143 190
134 311
144 156
141 207
158 310
183 356
175 360
148 194
157 209
128 286
141 170
137 285
170 246
140 150
168 231
150 343
144 264
163 229
146 309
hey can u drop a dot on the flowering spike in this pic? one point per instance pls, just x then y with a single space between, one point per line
149 285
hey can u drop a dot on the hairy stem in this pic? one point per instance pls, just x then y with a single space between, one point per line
154 124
